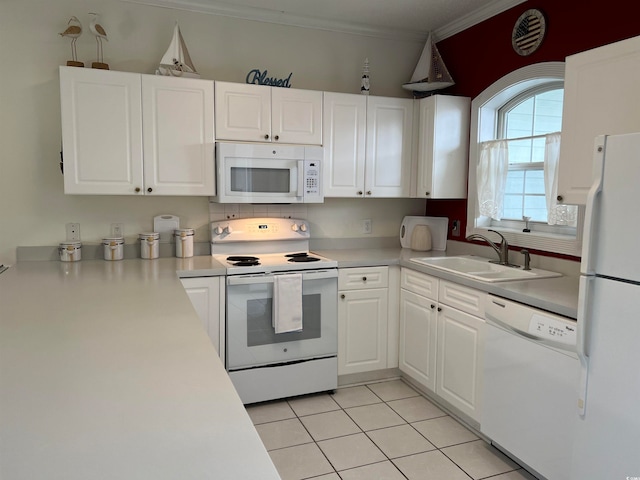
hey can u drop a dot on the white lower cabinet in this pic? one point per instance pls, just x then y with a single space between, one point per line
418 317
459 359
207 295
363 297
441 347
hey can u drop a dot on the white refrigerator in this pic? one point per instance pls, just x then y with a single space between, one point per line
607 439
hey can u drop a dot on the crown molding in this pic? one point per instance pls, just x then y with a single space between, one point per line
215 7
473 18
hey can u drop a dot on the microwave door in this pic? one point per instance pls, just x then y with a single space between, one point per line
260 181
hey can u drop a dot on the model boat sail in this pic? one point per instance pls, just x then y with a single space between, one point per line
431 72
176 61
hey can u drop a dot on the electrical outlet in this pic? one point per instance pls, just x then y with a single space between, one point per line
366 226
117 230
455 230
73 232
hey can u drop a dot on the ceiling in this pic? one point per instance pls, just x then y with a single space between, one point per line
397 19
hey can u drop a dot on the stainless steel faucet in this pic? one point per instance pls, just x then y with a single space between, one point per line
502 249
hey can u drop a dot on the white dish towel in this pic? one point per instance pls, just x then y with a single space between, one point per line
287 303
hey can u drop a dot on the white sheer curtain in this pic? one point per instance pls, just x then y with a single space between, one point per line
556 214
492 177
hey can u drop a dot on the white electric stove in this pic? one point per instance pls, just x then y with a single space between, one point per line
260 253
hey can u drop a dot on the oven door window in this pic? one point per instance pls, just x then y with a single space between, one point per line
251 339
260 315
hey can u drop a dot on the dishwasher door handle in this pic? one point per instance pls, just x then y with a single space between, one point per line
511 328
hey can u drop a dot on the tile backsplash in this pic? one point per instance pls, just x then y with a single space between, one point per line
223 211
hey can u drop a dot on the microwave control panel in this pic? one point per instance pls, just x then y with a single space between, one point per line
312 179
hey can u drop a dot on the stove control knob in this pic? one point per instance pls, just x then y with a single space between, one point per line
294 227
228 229
303 227
218 230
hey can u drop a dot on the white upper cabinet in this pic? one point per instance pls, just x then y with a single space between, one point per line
101 131
127 134
367 146
345 135
258 113
443 139
178 136
601 96
389 137
243 112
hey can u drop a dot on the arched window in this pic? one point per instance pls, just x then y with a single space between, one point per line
516 125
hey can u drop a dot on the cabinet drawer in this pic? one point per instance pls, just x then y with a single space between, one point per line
366 277
419 283
463 298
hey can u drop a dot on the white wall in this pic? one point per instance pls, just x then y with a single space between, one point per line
33 208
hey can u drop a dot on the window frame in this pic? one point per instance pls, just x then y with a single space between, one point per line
485 112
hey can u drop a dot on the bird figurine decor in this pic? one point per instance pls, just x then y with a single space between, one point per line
100 34
73 31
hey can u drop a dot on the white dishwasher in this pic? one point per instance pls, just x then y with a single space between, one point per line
531 374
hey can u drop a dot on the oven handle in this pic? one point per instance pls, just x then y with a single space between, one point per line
268 277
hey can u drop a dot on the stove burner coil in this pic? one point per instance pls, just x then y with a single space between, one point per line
246 263
242 258
303 259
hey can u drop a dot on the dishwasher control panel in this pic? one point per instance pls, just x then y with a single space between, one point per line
550 328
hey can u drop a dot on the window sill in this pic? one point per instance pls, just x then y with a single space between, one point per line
546 242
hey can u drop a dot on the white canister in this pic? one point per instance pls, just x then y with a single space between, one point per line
149 245
184 242
70 251
421 238
113 248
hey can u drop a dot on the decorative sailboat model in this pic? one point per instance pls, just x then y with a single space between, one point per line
176 62
431 72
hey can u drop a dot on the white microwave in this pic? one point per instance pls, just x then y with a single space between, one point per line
267 173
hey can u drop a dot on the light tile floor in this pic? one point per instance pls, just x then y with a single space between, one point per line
380 431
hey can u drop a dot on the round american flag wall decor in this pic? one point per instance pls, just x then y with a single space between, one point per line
528 32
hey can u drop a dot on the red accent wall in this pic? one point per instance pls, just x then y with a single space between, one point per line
482 54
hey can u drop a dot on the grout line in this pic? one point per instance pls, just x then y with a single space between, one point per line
366 433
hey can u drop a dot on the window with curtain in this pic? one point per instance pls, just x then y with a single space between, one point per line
517 172
514 161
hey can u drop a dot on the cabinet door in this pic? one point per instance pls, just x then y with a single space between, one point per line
345 129
601 96
443 134
389 137
296 116
205 296
243 112
178 136
101 131
460 353
418 327
362 330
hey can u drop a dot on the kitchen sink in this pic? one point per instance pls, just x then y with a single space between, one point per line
480 268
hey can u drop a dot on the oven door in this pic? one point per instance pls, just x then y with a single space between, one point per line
251 339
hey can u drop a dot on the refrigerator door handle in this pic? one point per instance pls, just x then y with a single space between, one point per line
587 267
582 348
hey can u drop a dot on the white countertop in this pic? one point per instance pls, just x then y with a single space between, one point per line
106 372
